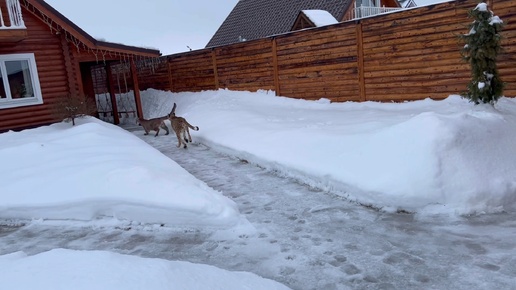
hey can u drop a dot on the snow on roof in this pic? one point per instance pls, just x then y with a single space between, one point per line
320 17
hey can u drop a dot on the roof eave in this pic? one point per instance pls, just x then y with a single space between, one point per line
87 39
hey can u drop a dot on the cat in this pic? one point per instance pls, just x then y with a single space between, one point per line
180 127
153 125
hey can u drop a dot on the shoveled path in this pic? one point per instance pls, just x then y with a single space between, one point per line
305 238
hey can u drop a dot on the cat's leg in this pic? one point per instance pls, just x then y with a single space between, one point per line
164 127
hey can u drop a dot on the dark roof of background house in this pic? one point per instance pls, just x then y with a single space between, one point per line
253 19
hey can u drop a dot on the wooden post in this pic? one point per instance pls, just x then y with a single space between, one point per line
275 67
136 88
69 65
87 84
170 79
360 53
111 88
215 70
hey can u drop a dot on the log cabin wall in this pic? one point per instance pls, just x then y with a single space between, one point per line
408 55
53 76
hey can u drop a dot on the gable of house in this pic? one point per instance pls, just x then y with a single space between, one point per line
313 18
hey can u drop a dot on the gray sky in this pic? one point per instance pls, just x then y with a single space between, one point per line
167 25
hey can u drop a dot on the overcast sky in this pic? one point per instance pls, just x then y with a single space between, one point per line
167 25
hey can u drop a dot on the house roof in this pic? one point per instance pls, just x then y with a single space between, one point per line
80 35
253 19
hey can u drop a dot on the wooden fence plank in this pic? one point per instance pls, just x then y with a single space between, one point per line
407 55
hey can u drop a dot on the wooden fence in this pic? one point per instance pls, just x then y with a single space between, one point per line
408 55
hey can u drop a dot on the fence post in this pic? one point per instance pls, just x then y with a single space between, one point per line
170 78
215 70
112 94
75 86
136 88
275 66
360 54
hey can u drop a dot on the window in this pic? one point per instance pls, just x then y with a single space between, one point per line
19 83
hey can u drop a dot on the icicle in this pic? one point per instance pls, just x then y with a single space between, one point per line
96 56
77 43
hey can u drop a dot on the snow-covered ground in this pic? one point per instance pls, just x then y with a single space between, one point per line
61 269
433 158
427 156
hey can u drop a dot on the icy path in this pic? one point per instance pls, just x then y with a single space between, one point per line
305 238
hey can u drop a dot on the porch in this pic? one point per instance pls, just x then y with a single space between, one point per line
368 8
366 11
12 26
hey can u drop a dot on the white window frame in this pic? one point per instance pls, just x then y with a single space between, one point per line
9 102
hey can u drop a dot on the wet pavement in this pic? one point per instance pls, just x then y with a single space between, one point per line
305 238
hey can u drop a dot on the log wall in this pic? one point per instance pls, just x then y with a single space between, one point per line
408 55
53 75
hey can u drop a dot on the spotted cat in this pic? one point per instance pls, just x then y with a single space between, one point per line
181 128
153 125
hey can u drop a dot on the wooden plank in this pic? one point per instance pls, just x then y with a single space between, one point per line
361 67
112 95
68 66
311 43
261 62
309 37
350 72
215 70
136 90
342 54
317 83
399 66
298 69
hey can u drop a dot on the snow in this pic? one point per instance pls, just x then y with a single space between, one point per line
426 156
442 158
481 7
495 20
108 170
472 31
320 17
61 269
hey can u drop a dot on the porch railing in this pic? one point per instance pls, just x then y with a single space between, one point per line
366 11
15 15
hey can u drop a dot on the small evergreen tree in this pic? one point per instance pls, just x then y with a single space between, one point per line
482 46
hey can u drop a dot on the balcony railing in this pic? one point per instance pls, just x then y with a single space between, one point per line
366 11
15 15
